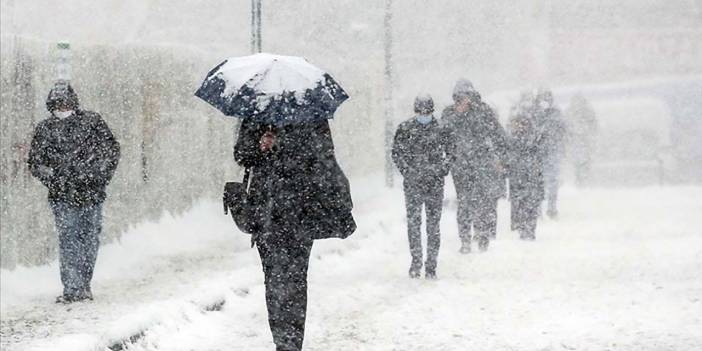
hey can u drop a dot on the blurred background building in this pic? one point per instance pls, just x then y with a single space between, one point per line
138 62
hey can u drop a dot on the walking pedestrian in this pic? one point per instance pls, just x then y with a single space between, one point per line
582 123
419 152
477 152
304 195
526 163
553 132
74 154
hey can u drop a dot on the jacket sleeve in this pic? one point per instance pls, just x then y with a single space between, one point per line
246 150
109 152
37 161
499 138
335 188
448 136
446 161
399 152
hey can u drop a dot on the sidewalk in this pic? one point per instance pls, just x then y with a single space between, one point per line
619 270
153 268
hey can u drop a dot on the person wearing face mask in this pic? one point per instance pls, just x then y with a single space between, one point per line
477 153
419 152
74 154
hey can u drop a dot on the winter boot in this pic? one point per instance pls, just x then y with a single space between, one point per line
522 234
483 243
66 299
526 235
465 248
415 270
85 295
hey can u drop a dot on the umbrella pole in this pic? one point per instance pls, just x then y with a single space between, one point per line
255 26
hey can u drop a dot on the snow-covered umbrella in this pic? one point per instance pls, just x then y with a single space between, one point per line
272 89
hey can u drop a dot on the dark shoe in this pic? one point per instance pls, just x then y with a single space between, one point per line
465 248
66 299
415 270
430 274
524 235
483 244
85 295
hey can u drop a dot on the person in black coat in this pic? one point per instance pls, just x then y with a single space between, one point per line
419 151
74 154
526 163
477 152
301 194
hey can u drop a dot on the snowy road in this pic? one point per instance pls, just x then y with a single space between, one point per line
620 270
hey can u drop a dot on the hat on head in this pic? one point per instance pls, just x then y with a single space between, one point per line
62 95
545 95
464 88
424 104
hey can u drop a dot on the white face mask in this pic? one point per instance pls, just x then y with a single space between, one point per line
63 114
424 119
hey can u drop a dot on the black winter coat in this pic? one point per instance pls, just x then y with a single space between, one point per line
477 144
419 151
298 187
74 157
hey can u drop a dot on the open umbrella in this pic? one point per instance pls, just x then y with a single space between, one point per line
272 89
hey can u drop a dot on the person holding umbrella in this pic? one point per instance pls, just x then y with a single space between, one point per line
419 152
296 184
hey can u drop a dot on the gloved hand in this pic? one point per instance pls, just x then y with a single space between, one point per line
445 169
45 171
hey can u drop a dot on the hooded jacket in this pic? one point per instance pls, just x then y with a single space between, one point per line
74 157
477 143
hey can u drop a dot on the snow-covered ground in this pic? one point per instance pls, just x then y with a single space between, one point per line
619 270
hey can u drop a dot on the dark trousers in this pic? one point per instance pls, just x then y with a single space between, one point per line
477 211
551 184
285 261
525 212
582 173
429 195
78 230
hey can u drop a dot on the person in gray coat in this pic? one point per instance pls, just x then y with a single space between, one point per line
552 127
419 152
582 134
526 164
477 152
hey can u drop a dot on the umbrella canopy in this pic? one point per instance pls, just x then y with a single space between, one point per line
272 89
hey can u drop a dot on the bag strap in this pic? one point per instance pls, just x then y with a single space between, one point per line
247 173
